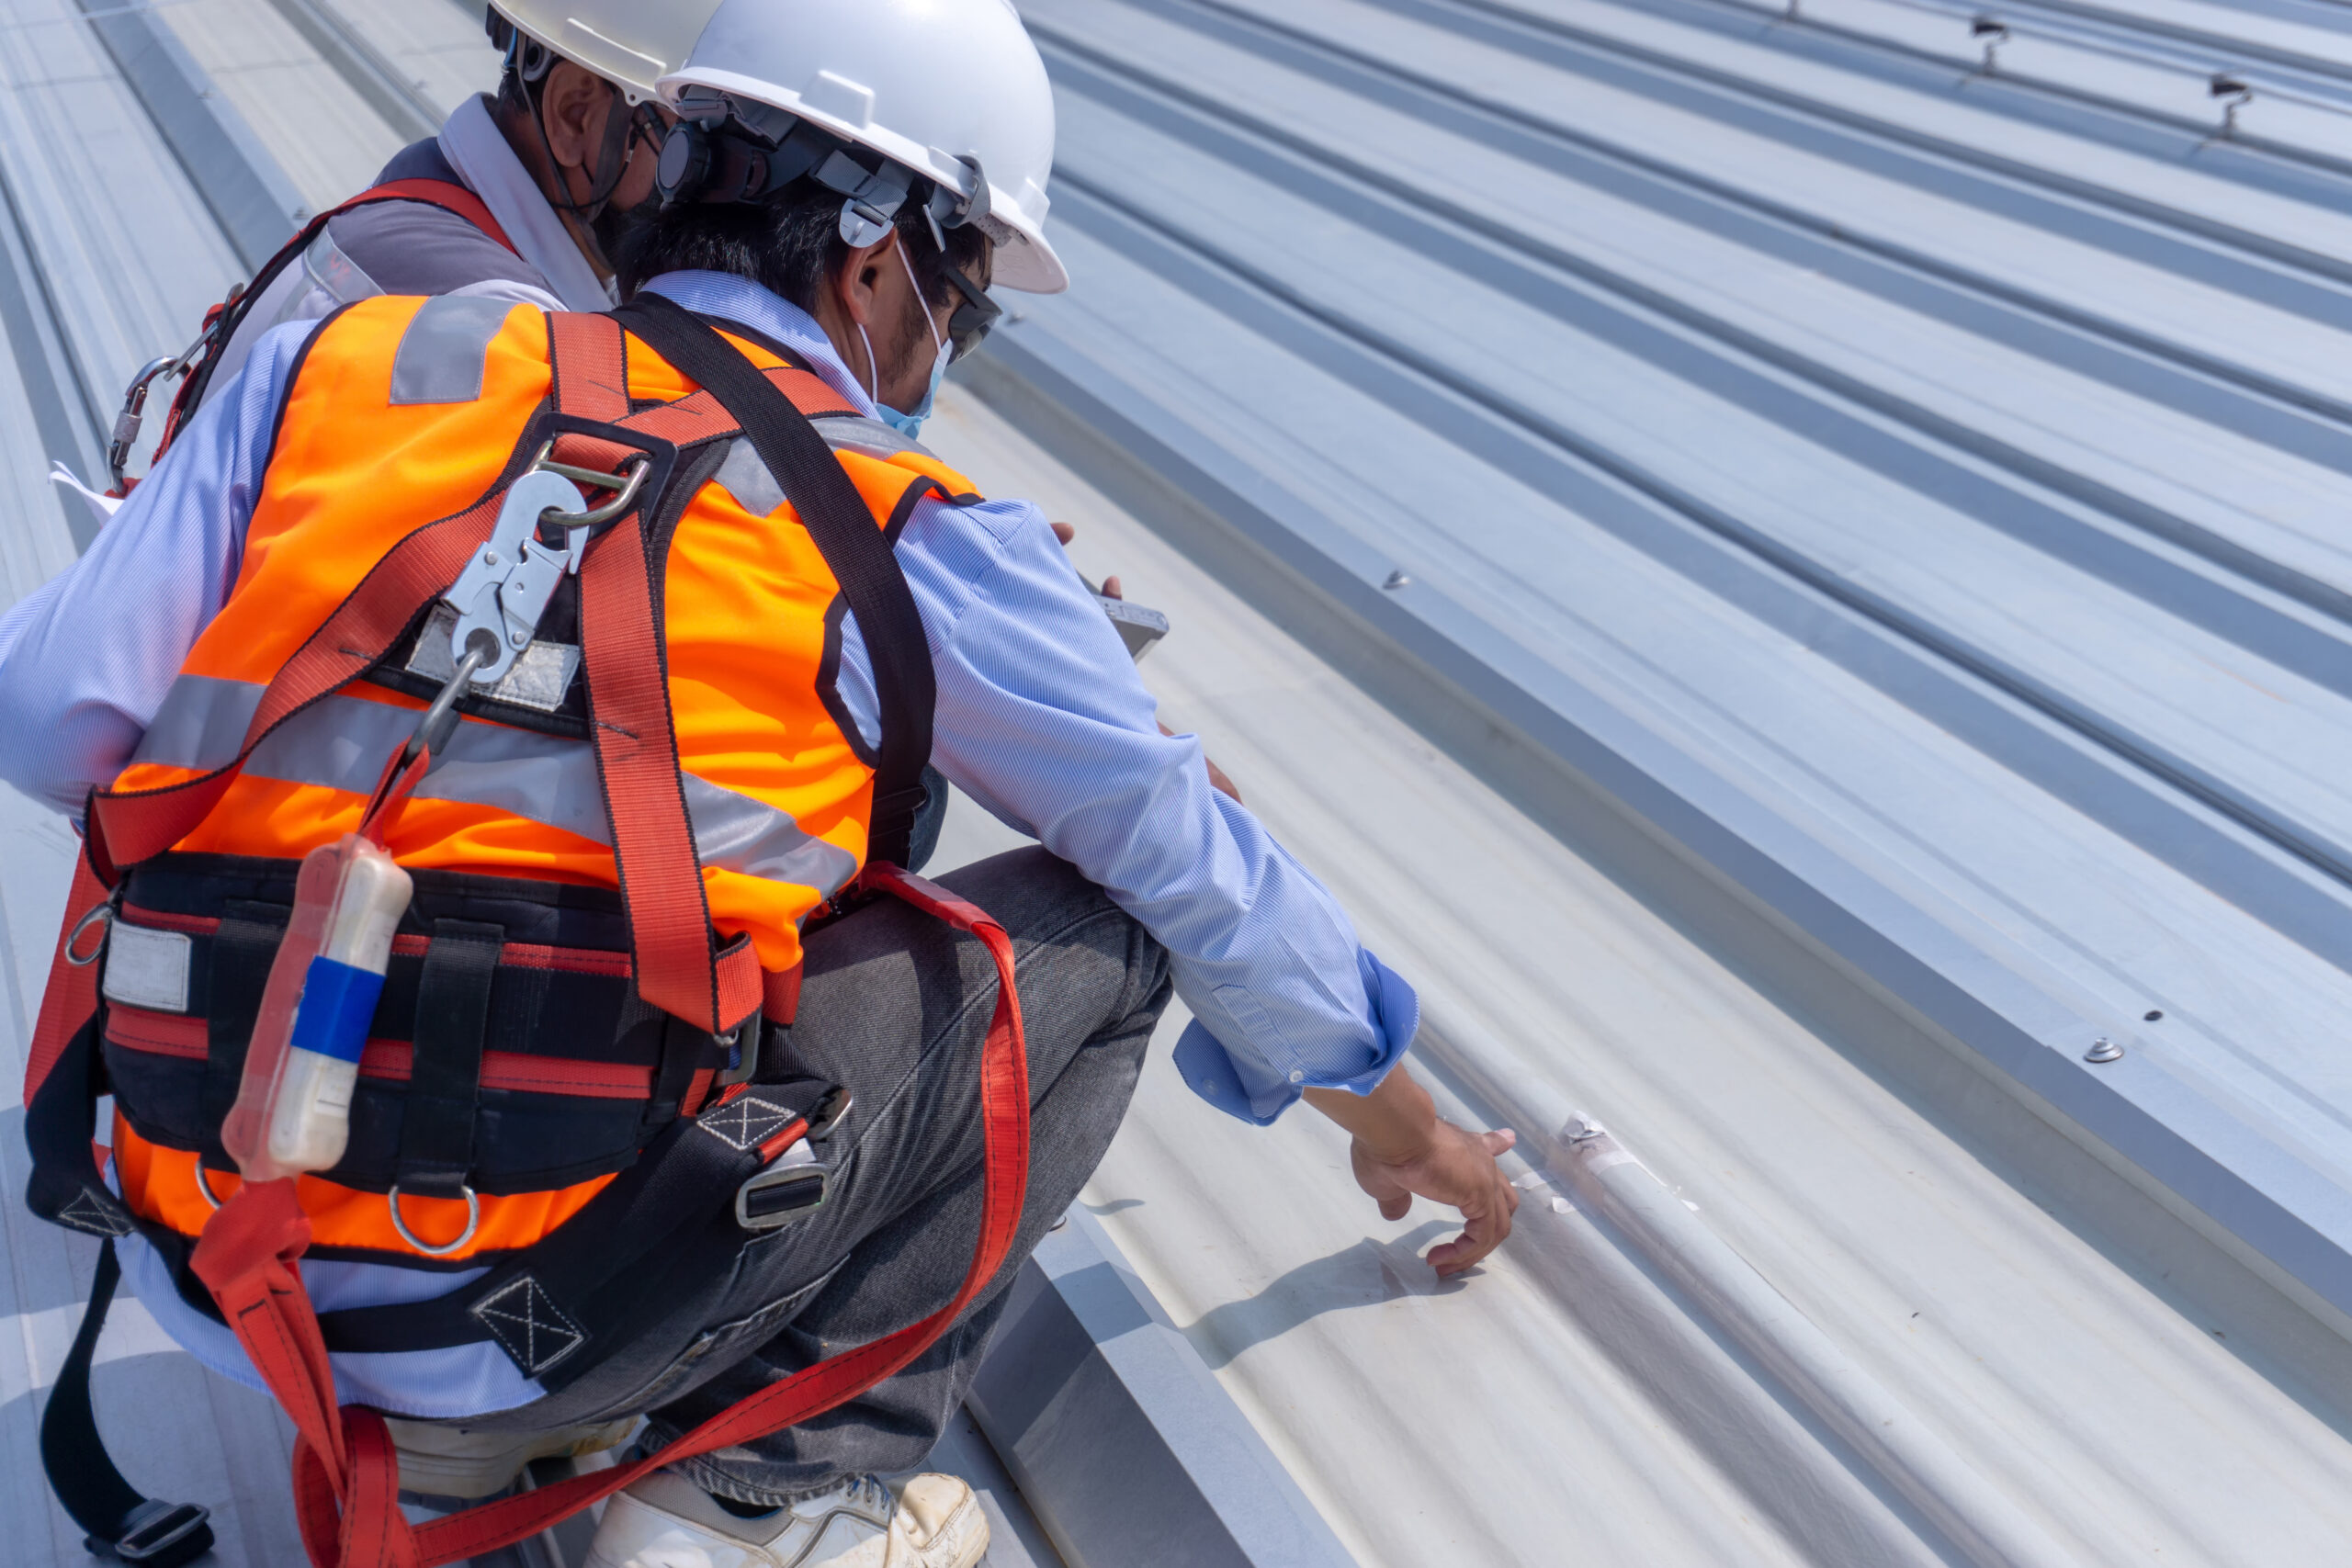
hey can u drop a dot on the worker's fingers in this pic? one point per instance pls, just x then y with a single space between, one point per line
1220 782
1396 1208
1064 531
1110 588
1500 1142
1486 1222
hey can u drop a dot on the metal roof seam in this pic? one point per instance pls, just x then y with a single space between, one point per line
2172 771
55 387
256 206
1517 29
377 81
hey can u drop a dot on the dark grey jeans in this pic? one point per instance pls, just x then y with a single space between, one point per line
896 1004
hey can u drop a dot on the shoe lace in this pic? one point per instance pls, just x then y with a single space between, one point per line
871 1492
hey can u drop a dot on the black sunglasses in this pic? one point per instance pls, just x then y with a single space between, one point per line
968 327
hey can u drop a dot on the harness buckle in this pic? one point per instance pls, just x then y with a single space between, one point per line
744 1041
830 1113
159 1535
792 1189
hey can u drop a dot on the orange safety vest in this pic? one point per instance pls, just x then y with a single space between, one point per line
406 411
612 857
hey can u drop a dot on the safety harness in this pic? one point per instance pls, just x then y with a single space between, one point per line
705 1117
195 367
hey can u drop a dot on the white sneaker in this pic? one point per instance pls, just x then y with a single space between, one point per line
666 1521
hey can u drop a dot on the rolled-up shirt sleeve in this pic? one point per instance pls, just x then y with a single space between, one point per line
1044 720
86 660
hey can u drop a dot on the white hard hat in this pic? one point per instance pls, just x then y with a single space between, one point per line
631 44
939 86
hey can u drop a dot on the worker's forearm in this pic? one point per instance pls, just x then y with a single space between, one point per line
1396 1122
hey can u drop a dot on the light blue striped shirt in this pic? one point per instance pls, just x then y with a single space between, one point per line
1042 720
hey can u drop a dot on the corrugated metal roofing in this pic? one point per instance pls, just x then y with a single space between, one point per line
1791 581
1942 470
1906 494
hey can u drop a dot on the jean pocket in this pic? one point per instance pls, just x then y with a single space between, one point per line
710 1349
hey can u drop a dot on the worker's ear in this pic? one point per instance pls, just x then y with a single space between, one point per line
572 107
858 276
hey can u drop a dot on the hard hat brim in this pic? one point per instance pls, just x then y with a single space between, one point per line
1028 265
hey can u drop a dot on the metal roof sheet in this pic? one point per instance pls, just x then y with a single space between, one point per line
1791 581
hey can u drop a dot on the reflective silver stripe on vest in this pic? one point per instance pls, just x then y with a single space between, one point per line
870 437
445 353
748 479
343 743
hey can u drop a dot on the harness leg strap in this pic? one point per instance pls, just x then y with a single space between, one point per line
121 1523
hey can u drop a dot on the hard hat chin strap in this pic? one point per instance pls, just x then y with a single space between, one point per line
624 127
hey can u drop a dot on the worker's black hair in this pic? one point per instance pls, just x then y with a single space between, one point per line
789 245
526 61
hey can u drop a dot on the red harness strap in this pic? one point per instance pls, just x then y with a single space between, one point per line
126 827
636 734
347 1476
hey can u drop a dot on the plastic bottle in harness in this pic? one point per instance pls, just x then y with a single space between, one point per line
293 1110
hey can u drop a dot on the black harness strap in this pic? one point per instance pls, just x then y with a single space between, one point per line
438 1113
66 1188
121 1523
658 1230
845 532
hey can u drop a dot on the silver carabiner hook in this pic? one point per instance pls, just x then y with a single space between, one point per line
133 416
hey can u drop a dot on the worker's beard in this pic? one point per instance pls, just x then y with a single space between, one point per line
612 229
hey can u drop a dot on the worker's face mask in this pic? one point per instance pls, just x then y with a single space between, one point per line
910 425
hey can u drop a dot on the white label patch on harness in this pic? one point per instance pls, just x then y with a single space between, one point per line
147 968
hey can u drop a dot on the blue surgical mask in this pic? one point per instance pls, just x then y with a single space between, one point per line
909 425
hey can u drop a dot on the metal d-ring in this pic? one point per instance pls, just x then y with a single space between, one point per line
205 1187
630 484
473 1221
102 915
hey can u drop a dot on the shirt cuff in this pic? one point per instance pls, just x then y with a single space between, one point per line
1247 1087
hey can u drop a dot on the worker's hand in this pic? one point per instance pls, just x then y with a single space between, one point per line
1457 1169
1403 1150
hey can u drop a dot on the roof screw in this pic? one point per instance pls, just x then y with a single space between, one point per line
2103 1050
1396 580
519 638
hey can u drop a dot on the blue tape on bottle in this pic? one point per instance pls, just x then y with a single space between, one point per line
338 1002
